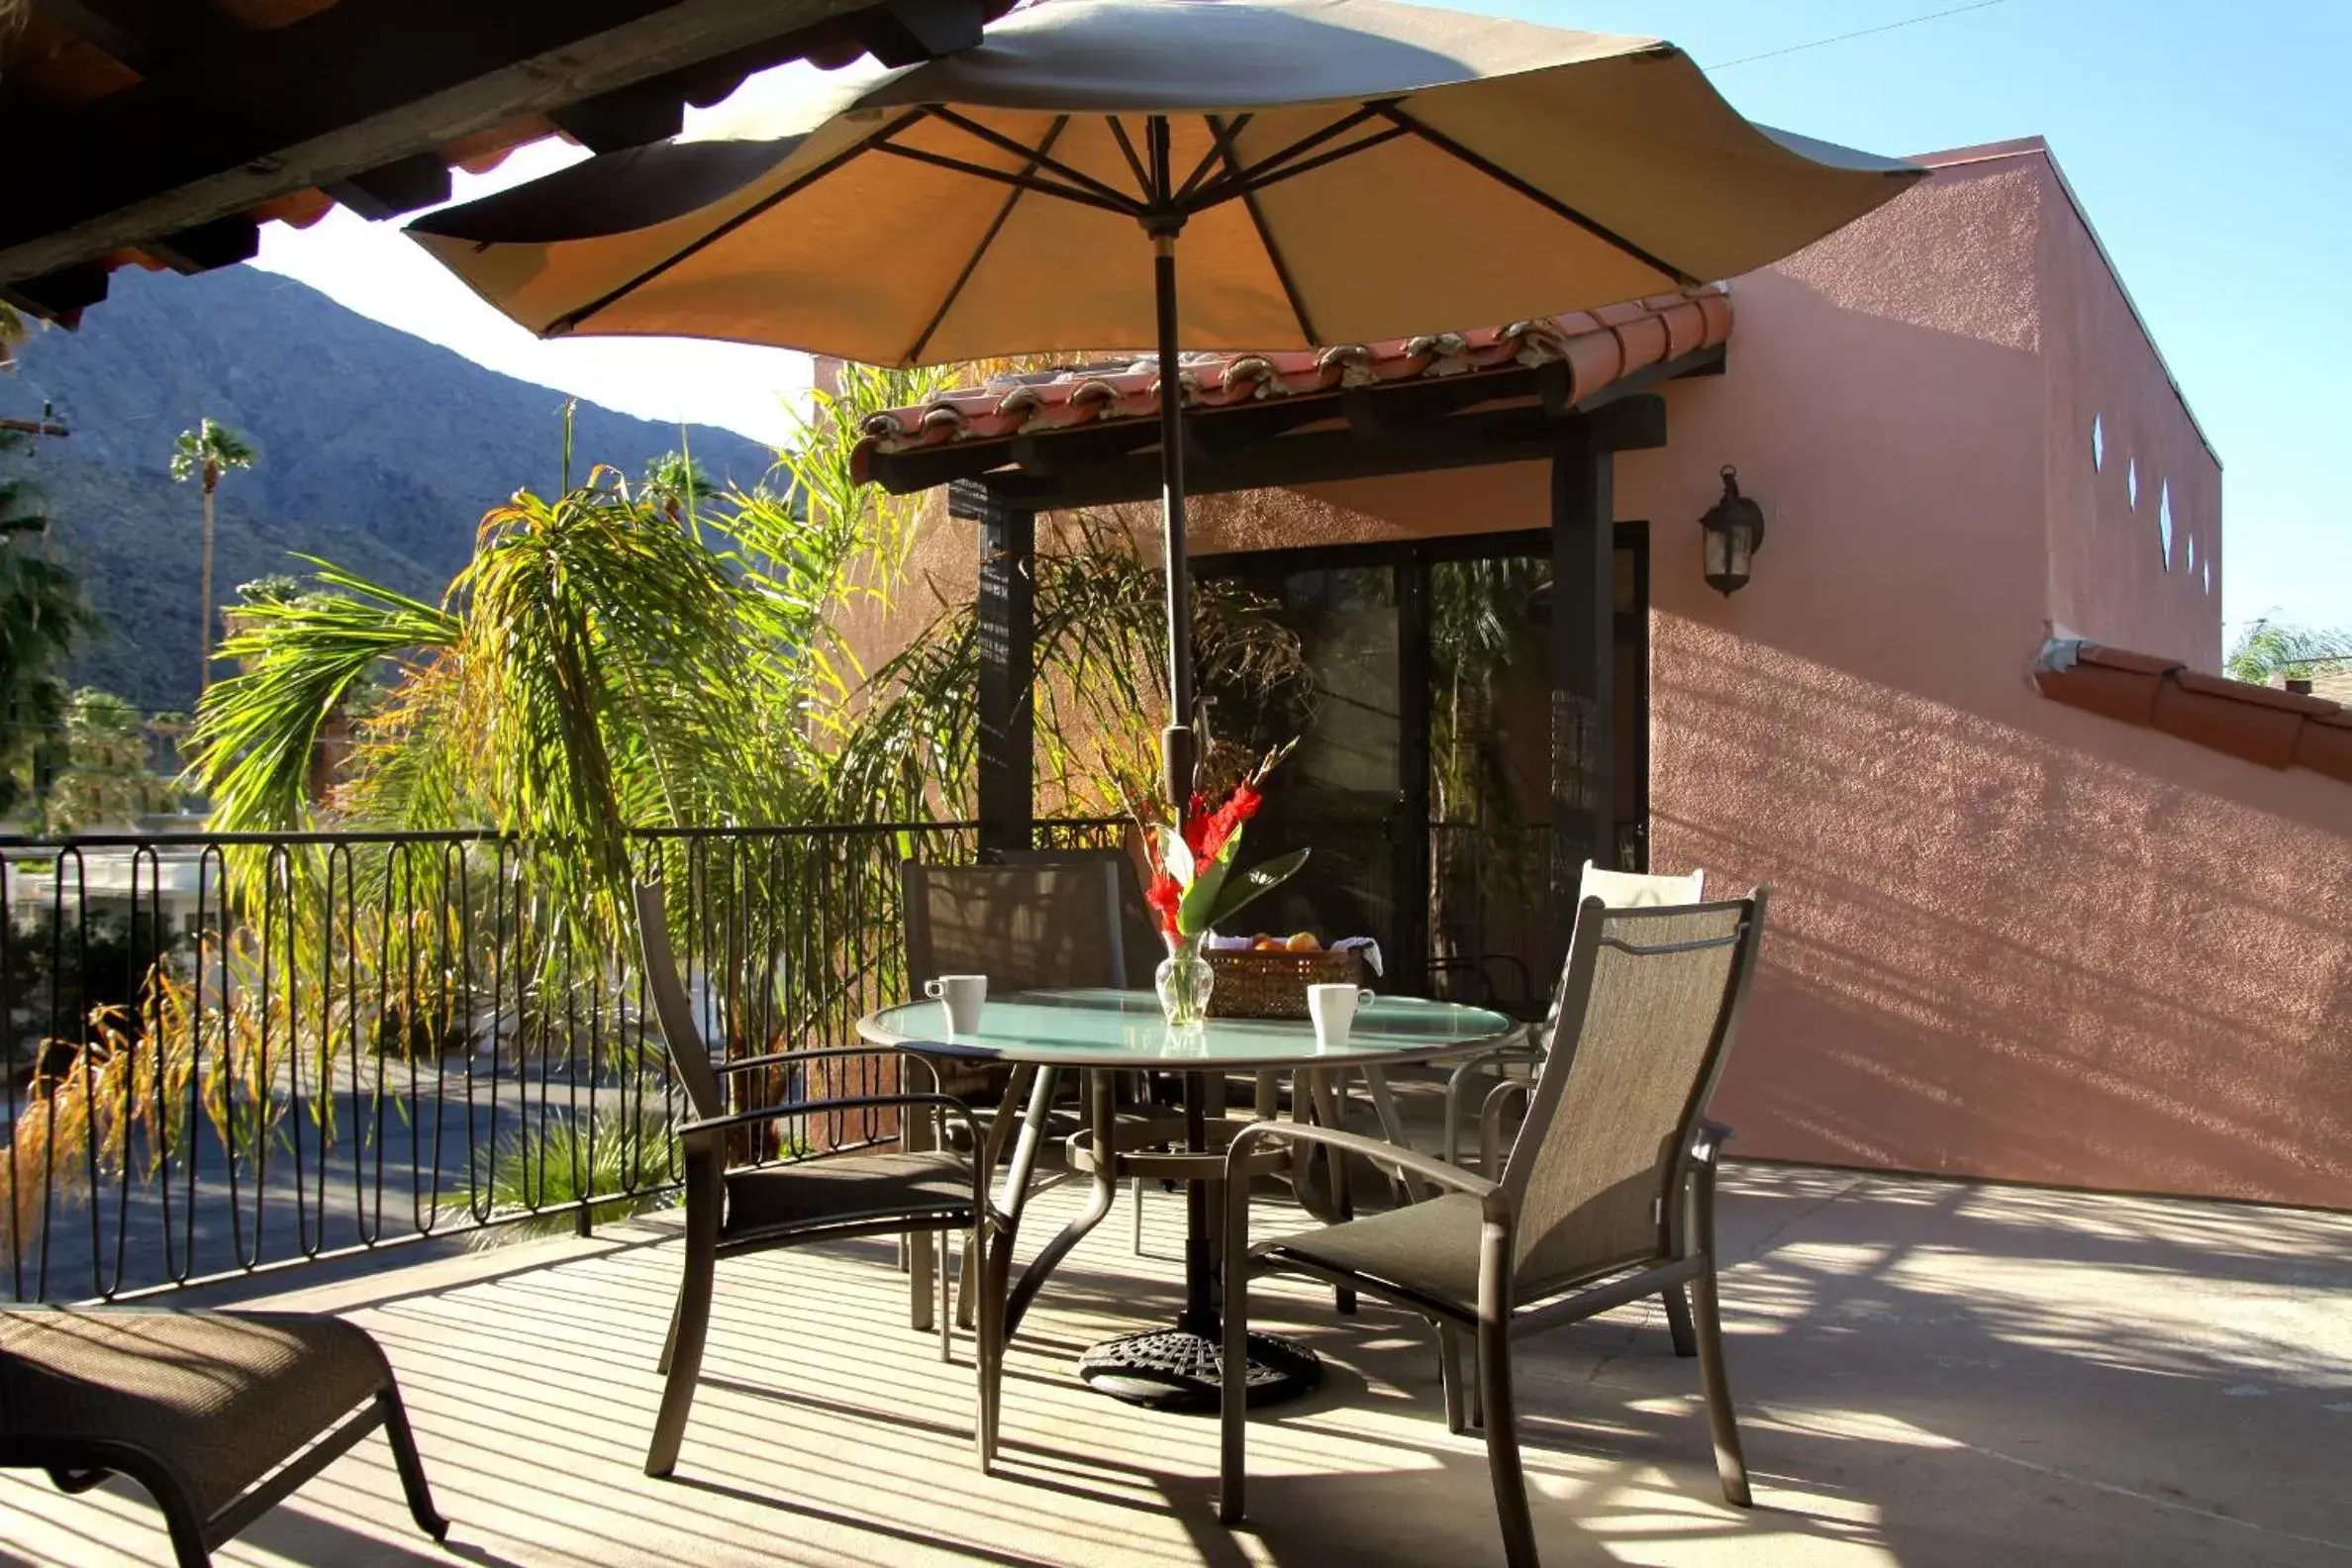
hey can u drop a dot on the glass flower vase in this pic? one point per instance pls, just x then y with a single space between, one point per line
1184 980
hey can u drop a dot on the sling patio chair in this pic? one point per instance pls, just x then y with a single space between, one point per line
1141 951
1617 890
1045 919
1101 933
919 1188
1608 1195
218 1415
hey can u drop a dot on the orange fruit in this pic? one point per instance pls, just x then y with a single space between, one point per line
1303 942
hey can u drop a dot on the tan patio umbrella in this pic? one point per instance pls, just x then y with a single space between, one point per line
1331 172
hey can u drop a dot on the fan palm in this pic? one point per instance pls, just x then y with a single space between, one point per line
204 454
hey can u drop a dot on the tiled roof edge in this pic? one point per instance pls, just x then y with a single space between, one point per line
1599 347
2255 724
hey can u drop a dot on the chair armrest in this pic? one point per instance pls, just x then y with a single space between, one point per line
1489 1119
812 1107
1427 1166
1516 1048
824 1053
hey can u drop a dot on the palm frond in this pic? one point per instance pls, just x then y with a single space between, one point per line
255 732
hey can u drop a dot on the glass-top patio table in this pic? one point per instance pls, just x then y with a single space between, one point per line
1104 1034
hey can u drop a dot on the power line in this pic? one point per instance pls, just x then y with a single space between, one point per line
1884 26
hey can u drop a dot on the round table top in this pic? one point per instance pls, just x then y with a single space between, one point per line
1126 1029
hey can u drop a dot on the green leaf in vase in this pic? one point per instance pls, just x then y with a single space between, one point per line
1208 880
1176 855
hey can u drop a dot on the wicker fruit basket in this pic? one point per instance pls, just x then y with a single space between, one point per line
1268 984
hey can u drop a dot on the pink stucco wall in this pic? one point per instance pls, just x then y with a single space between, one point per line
2009 938
2110 499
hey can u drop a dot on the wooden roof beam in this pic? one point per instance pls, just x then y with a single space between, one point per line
242 118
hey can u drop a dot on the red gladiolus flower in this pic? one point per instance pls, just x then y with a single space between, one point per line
1164 896
1237 809
1193 824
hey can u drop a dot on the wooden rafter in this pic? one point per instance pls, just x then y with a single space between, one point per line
353 98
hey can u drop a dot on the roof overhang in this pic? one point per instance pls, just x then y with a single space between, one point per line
1089 435
166 131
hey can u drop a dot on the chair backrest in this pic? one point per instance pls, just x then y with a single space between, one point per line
1638 889
690 1056
1139 932
1627 890
1027 927
1650 1001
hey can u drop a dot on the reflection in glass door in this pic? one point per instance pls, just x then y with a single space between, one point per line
1337 792
1488 814
1423 778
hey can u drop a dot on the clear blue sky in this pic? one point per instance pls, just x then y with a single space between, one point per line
2211 144
2207 141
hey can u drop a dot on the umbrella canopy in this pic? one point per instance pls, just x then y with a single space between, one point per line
1336 171
1339 170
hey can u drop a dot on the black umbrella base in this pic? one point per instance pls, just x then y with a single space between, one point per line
1175 1369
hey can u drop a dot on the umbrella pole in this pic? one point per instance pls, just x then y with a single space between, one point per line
1176 742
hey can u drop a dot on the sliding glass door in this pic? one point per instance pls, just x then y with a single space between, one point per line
1421 779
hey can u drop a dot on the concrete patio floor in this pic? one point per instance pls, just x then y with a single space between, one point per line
1927 1373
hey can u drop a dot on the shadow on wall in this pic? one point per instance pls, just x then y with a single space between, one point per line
1998 951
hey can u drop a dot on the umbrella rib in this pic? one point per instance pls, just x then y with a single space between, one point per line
997 139
1052 134
1221 151
1254 173
1541 198
1018 181
571 319
1126 149
1217 192
1257 221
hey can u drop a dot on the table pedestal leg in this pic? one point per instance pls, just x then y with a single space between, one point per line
1101 1120
1182 1368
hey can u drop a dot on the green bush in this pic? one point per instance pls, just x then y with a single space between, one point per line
525 1181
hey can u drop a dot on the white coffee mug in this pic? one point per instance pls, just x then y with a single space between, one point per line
1333 1010
962 996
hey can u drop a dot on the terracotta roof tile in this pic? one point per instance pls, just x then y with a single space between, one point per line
2125 659
1598 347
2324 745
2108 681
2259 723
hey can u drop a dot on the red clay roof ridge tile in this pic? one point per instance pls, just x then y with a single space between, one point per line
2256 724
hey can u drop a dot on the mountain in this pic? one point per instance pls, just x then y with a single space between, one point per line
379 451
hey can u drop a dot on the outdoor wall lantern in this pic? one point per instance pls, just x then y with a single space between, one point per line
1734 531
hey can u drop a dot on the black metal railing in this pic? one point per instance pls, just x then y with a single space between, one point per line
232 1054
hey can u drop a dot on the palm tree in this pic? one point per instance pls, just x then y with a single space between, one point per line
205 453
677 483
106 779
42 613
